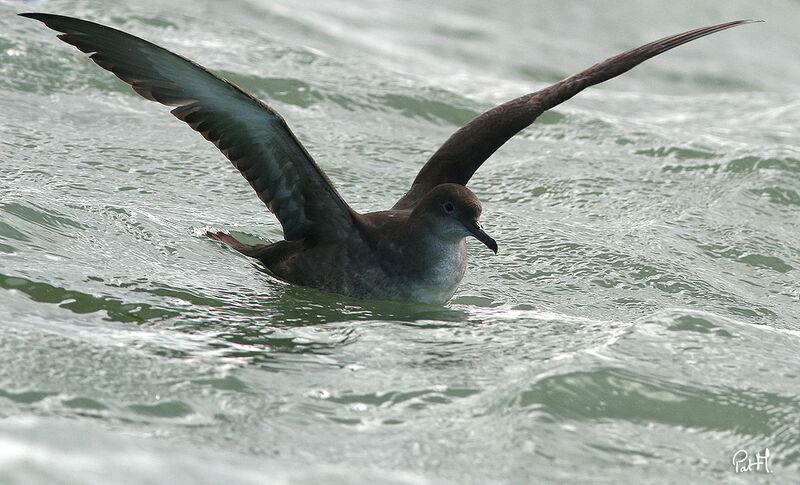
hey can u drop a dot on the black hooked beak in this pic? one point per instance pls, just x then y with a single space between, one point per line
475 228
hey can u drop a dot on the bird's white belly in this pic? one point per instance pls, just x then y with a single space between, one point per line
445 269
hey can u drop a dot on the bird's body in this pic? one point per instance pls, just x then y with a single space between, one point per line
400 254
414 251
423 272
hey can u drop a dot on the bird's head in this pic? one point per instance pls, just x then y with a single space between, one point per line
453 211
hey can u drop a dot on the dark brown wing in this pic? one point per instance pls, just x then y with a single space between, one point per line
464 152
253 136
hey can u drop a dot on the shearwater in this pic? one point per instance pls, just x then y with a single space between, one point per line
416 250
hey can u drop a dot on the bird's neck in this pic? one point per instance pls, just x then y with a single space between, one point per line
439 259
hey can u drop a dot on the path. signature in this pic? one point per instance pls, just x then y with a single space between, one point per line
743 463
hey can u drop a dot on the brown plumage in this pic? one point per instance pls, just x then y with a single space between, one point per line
415 251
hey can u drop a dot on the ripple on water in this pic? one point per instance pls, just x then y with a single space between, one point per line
745 255
81 303
778 195
755 164
427 108
619 394
680 153
44 218
681 371
171 409
387 407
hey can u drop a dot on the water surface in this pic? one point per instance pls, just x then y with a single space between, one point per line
640 323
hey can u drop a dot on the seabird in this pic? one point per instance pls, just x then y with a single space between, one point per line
416 250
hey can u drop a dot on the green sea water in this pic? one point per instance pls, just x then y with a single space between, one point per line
640 324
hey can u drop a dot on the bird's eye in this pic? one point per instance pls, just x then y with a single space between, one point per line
448 207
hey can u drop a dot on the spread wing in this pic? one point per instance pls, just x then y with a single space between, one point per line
464 152
249 133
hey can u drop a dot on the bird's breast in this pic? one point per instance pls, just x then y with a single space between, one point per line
439 269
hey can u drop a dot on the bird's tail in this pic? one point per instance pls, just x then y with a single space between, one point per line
246 249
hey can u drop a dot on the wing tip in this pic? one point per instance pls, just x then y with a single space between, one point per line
747 21
59 23
40 16
734 23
